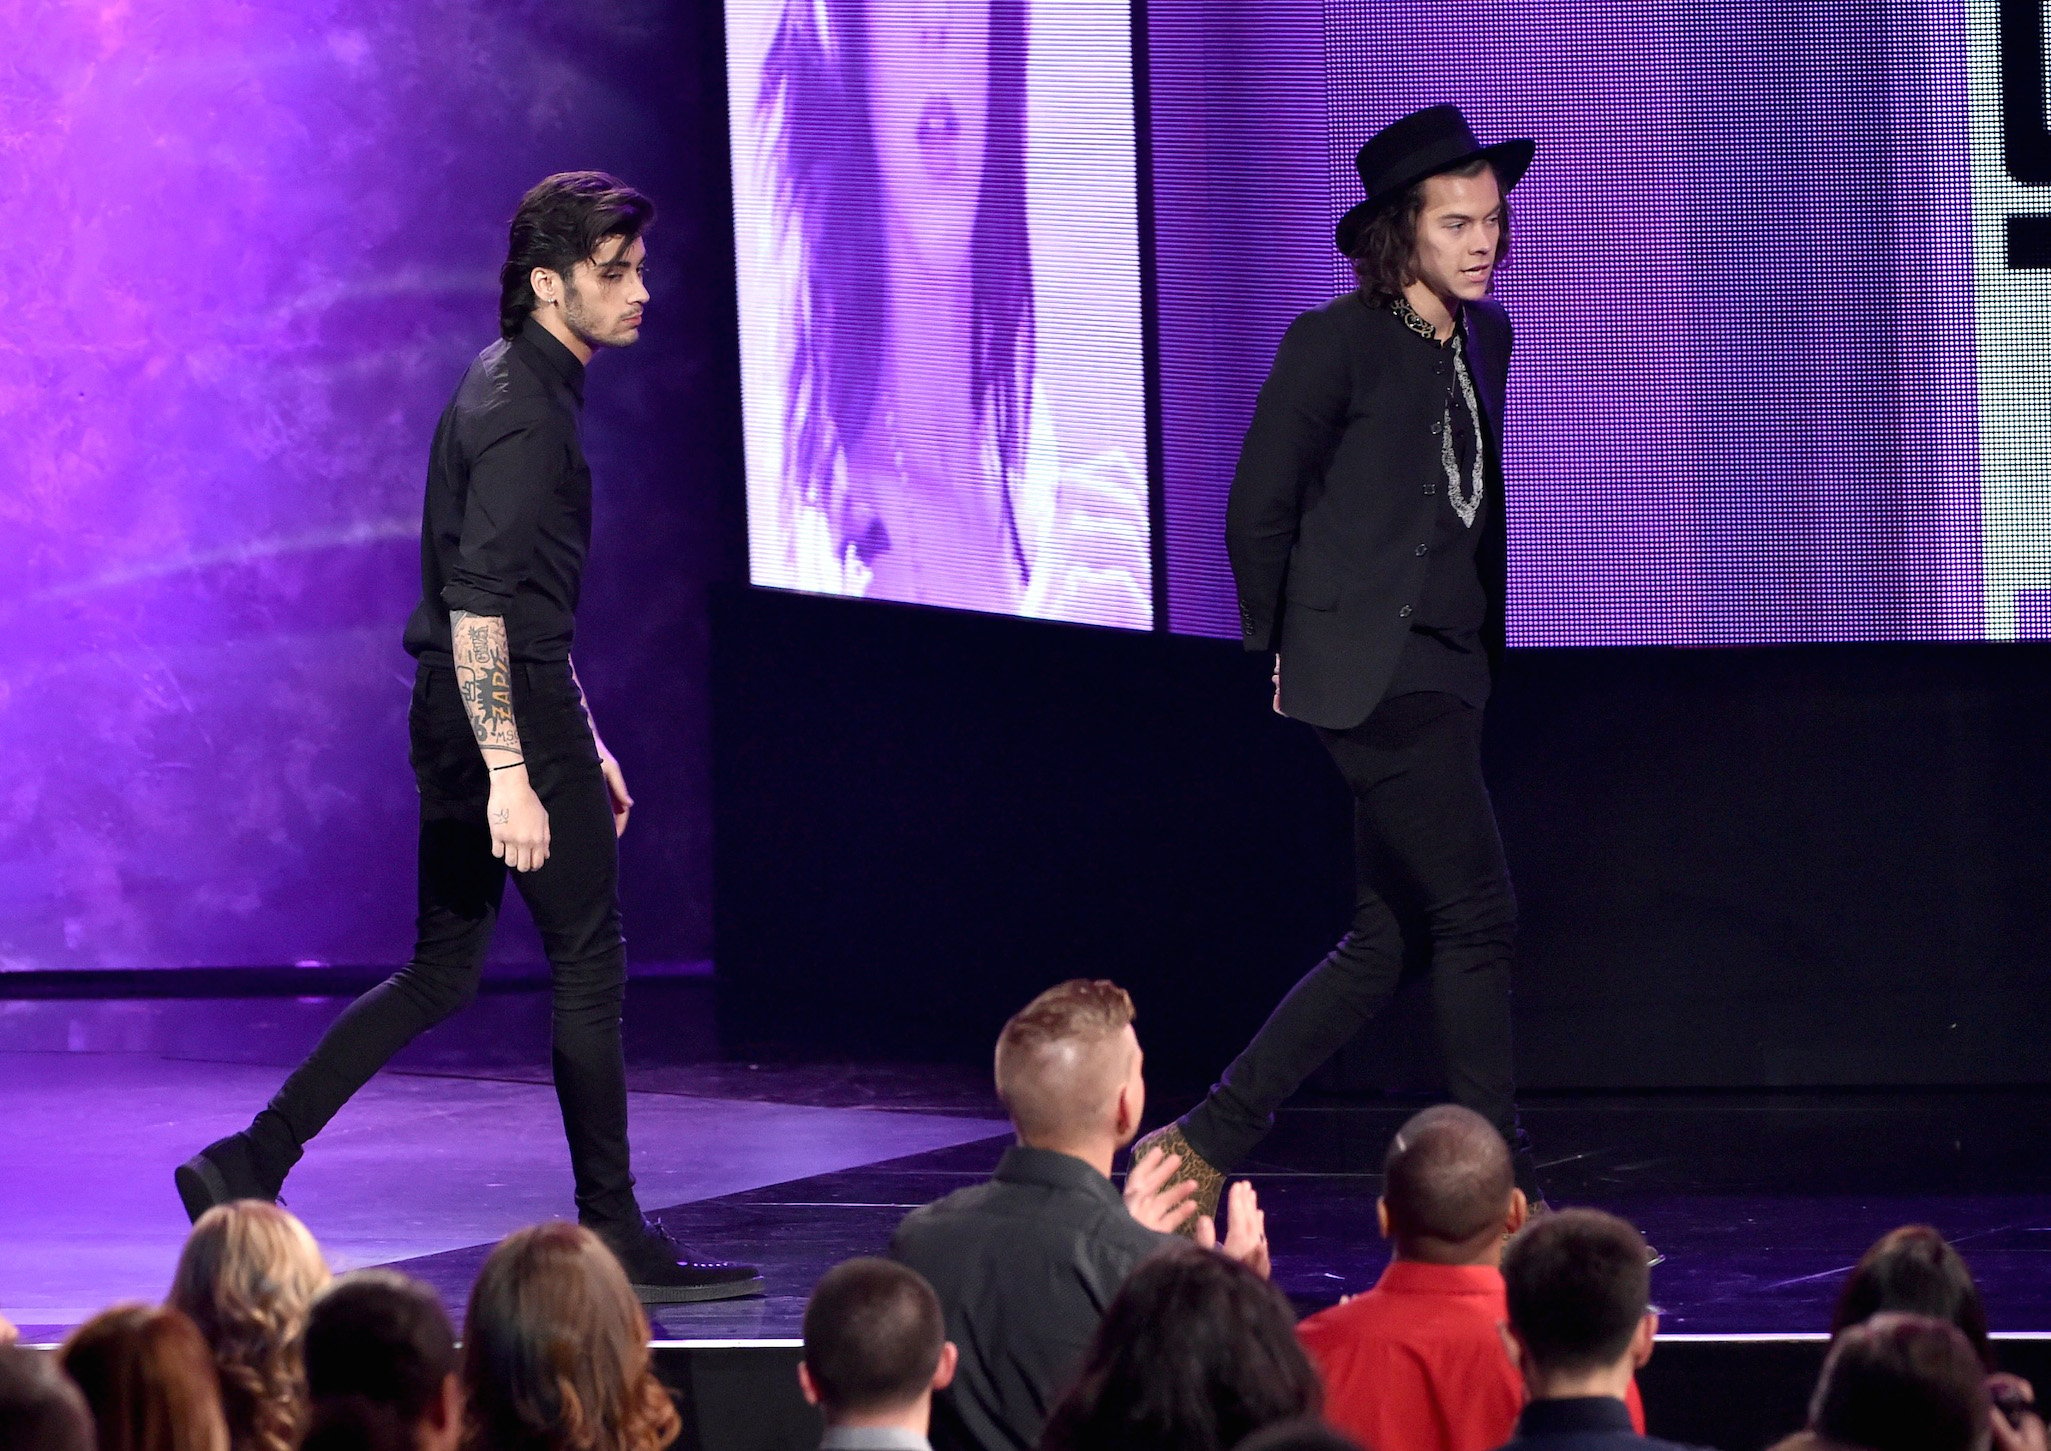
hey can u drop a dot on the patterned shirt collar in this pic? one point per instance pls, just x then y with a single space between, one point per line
1411 318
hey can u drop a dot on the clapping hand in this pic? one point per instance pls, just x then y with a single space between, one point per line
1246 1230
1165 1210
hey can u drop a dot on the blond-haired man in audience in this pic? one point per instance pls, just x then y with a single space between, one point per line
1025 1263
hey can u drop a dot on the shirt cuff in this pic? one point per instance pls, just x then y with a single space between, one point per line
472 600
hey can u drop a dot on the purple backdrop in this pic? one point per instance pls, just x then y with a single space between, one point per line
1743 399
253 248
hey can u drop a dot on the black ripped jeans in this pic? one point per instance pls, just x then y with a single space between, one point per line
574 900
1424 840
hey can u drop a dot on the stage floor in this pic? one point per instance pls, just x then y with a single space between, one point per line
1761 1202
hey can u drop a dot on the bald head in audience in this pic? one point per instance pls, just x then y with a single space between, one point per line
1068 1070
1448 1193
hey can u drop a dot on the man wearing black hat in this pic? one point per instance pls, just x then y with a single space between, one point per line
1365 528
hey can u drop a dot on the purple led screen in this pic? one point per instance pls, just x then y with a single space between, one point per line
1743 402
254 247
936 229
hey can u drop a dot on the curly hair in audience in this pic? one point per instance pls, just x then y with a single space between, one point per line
149 1378
247 1274
1195 1353
555 1351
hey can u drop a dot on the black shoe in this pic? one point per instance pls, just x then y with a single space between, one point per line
224 1171
663 1272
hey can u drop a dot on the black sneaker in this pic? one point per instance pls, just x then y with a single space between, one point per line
224 1171
663 1272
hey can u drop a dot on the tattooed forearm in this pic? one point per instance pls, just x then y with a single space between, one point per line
484 676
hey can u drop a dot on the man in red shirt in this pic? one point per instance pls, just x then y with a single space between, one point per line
1417 1363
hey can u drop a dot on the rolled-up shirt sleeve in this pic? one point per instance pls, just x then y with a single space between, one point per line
518 464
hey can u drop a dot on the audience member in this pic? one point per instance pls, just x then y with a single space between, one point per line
555 1351
40 1410
1897 1381
1196 1353
381 1367
1307 1433
1912 1270
876 1350
1576 1285
248 1272
148 1377
1417 1363
1025 1264
8 1334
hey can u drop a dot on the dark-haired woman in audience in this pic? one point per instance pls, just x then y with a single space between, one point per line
1195 1353
555 1351
1908 1383
149 1378
1914 1271
248 1272
381 1367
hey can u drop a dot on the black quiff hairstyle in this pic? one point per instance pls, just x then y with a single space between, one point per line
560 223
873 1336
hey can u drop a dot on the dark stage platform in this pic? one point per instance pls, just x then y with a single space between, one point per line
1761 1202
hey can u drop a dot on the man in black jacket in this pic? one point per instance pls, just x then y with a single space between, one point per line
1365 528
1025 1263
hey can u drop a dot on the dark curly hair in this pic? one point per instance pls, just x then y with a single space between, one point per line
560 223
1195 1353
1386 248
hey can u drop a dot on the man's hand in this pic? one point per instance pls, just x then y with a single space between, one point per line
518 820
1246 1231
1277 678
1145 1200
616 784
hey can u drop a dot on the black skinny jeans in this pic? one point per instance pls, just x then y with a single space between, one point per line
1424 840
574 900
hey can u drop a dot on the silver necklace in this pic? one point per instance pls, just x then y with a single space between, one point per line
1467 504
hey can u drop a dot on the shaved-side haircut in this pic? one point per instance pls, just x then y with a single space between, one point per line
1062 1058
1447 1177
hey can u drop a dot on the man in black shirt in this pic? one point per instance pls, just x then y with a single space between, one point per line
1025 1264
510 767
1365 528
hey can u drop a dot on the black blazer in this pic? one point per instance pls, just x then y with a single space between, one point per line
1329 515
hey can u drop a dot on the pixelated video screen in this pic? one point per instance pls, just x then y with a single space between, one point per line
936 218
1781 286
1778 278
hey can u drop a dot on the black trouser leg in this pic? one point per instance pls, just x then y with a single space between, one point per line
573 899
460 886
1424 837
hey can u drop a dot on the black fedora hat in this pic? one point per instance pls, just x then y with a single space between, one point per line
1423 143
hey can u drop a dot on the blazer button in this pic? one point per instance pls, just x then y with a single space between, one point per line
1423 549
1431 488
1405 612
1439 427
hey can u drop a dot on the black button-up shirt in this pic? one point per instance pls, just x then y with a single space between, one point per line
508 517
1444 651
1024 1266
